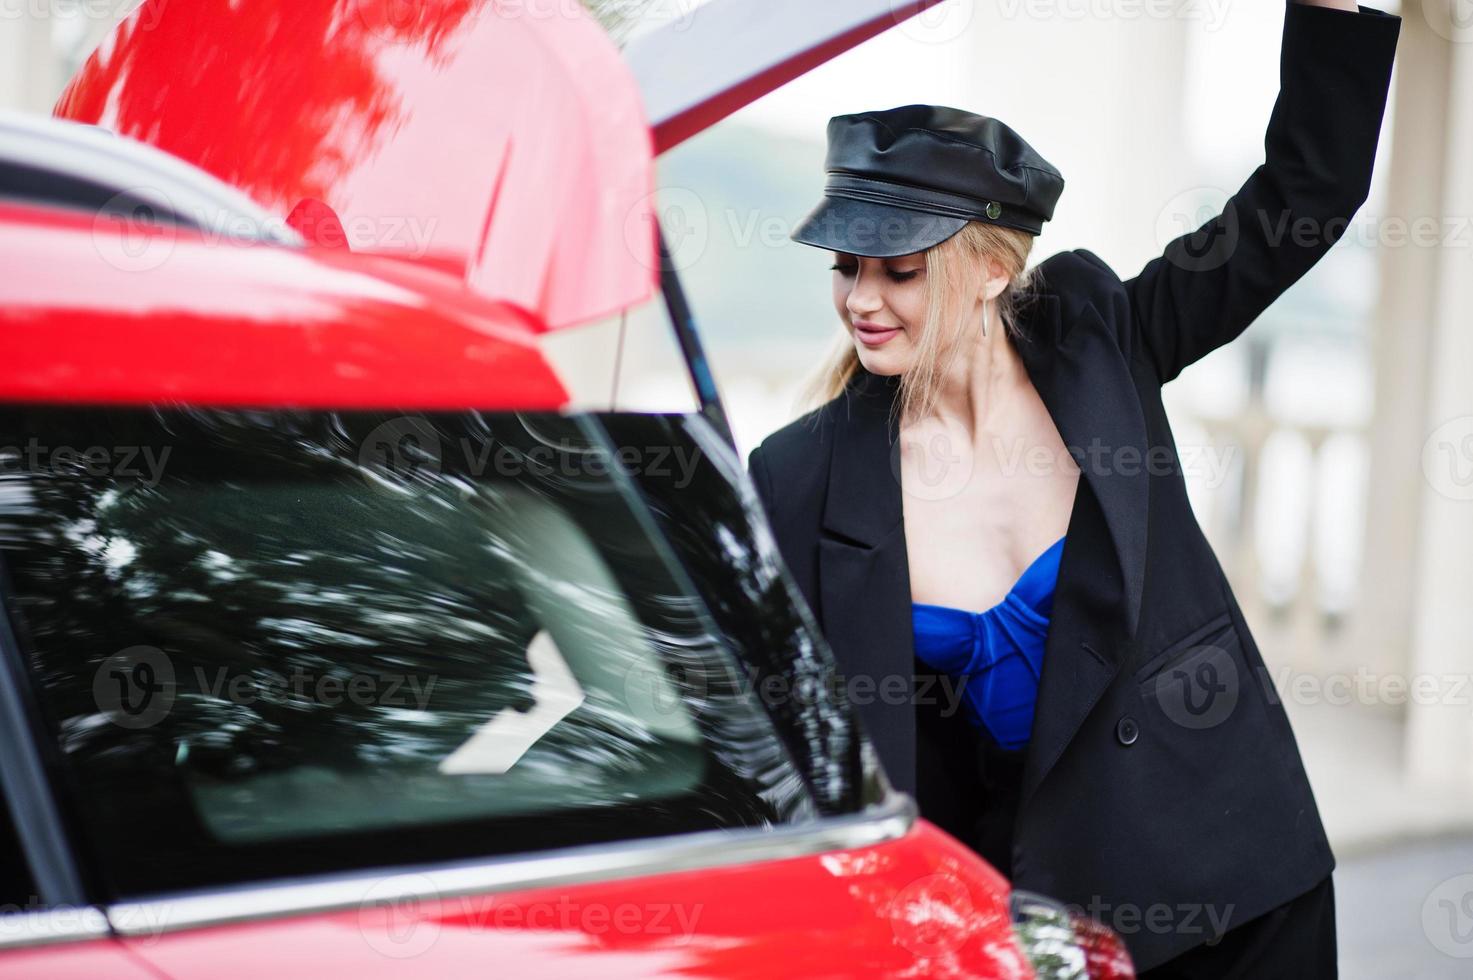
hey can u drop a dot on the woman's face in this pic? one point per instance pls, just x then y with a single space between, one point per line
882 303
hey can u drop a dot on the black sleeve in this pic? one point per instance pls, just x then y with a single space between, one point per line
1211 283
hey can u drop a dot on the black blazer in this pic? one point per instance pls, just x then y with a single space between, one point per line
1162 773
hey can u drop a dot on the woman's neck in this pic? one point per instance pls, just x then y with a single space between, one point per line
982 384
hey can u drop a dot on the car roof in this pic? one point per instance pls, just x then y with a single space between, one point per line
107 310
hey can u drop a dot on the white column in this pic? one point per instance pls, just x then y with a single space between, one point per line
29 76
1380 625
1439 744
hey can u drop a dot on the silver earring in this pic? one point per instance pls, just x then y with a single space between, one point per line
984 319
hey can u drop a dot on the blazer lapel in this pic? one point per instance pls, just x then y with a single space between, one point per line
1086 385
1084 381
864 574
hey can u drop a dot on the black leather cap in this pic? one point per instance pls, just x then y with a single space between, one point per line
901 180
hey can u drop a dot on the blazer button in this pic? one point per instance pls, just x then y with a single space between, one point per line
1127 731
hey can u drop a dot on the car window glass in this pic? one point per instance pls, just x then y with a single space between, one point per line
283 643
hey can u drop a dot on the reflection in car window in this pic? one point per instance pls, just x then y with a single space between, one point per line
283 643
696 496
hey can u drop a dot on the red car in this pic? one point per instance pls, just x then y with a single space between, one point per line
333 640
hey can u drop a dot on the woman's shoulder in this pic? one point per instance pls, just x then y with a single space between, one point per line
1077 272
1081 281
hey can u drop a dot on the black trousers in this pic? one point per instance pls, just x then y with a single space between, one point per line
965 783
1295 941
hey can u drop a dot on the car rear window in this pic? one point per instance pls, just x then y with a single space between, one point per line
282 643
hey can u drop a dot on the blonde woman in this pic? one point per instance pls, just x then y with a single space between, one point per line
988 515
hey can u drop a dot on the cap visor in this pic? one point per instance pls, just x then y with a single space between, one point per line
875 230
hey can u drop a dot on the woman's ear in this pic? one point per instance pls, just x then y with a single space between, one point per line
994 279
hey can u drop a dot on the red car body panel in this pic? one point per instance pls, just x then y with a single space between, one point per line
920 906
96 311
99 959
469 133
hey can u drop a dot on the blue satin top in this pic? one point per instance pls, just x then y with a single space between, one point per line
997 654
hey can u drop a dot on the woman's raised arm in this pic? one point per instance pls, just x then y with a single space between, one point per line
1209 284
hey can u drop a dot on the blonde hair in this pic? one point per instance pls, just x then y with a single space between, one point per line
955 270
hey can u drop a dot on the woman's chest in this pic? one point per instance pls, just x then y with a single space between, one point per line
979 512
